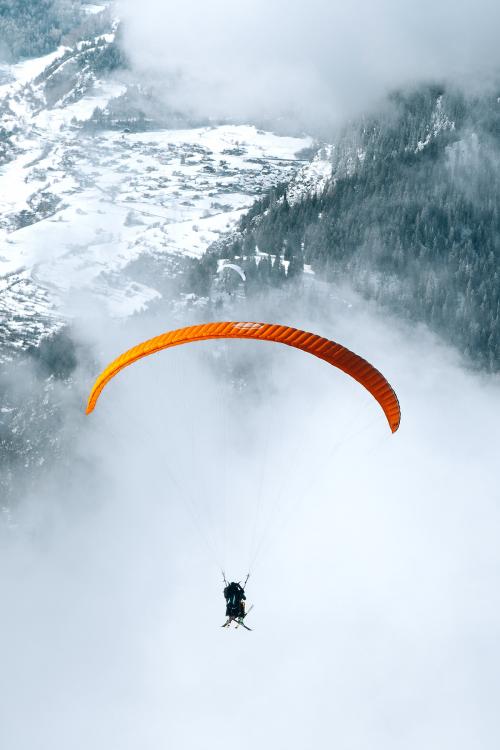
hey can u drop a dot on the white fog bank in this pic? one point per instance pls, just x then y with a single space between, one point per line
308 63
376 611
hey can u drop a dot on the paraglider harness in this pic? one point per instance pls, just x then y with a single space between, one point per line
234 594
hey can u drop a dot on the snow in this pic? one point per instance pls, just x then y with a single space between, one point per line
439 122
28 70
53 120
90 9
312 178
110 197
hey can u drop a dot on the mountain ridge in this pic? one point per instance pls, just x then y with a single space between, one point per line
409 216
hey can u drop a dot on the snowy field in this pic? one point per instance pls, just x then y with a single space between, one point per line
98 201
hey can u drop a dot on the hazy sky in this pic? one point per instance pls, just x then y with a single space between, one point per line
316 61
385 634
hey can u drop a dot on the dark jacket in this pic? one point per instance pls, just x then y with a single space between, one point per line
234 595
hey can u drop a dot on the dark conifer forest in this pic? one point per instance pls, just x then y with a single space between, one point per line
35 27
410 216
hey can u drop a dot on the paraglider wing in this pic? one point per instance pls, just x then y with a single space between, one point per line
331 352
233 267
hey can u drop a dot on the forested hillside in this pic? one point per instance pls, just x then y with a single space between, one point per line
35 27
410 216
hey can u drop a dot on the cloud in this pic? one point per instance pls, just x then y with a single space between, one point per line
376 617
311 63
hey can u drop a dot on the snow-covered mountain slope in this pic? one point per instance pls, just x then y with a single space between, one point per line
312 178
409 215
78 205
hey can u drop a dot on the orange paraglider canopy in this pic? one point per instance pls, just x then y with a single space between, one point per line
335 354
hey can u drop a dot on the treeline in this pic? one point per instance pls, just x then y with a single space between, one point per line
411 216
139 109
6 145
74 74
261 272
36 386
30 28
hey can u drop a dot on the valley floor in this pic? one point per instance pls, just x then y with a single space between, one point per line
77 206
